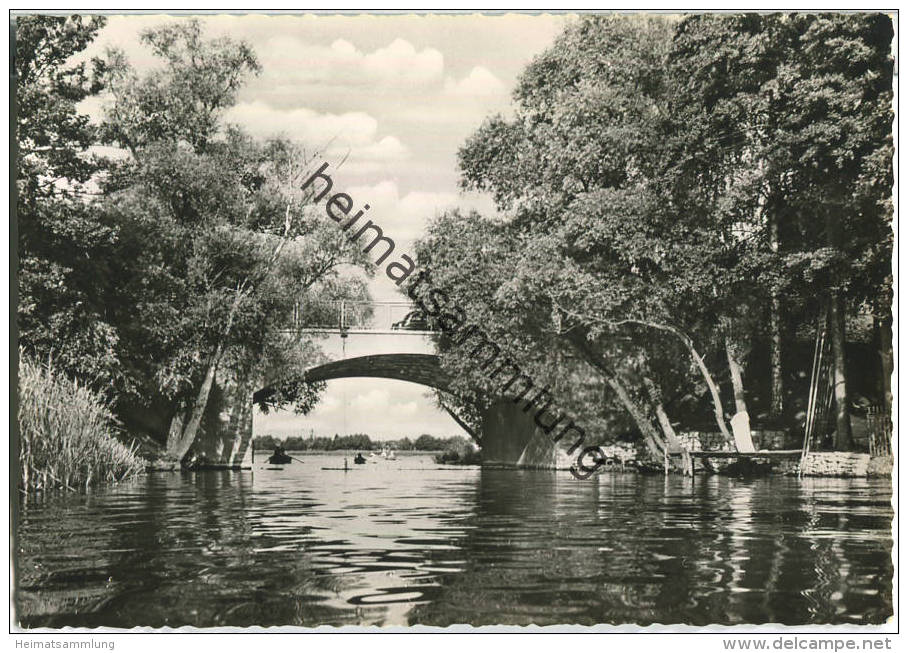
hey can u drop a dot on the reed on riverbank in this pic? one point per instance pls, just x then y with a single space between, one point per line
66 433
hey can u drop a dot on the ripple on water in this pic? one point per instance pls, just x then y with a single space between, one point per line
306 546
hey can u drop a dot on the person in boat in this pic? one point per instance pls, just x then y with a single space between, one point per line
359 459
279 456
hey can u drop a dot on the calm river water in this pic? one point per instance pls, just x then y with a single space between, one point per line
404 542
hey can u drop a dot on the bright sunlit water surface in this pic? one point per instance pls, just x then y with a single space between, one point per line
408 542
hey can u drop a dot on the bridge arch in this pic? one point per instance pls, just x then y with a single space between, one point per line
424 369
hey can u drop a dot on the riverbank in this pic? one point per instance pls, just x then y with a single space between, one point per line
66 433
624 457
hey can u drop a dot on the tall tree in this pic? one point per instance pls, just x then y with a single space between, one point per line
794 122
224 242
578 169
62 241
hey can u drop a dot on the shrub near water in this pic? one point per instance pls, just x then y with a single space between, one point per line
458 453
66 433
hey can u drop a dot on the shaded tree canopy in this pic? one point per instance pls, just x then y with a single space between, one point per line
676 197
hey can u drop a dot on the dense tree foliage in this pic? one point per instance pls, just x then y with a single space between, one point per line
681 202
62 243
679 199
196 256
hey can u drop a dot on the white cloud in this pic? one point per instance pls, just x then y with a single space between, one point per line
342 64
480 82
401 61
402 217
387 149
354 128
461 104
405 410
371 400
352 134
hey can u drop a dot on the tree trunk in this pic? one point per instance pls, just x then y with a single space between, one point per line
834 238
840 387
653 442
741 421
777 390
184 442
239 416
886 359
201 402
231 436
176 430
737 376
671 438
718 411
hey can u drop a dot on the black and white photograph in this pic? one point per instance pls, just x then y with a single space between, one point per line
454 320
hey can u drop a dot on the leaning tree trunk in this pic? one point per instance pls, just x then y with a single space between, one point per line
741 420
235 440
654 443
671 438
175 432
718 411
840 387
737 375
182 444
191 429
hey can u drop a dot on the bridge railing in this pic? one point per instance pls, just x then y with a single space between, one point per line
351 315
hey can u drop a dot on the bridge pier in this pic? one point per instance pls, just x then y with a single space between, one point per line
510 438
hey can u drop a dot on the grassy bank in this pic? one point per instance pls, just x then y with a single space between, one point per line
66 433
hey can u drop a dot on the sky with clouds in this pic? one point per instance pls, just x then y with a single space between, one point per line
394 97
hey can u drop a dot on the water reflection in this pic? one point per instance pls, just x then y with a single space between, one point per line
403 543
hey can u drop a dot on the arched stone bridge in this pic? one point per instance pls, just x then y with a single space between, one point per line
509 435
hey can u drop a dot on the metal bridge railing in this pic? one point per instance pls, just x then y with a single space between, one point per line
350 315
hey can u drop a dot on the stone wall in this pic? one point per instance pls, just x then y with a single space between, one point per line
515 441
880 466
623 453
763 439
836 463
774 440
